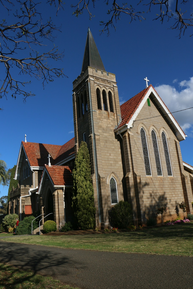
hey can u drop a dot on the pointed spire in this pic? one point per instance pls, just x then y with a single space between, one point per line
91 55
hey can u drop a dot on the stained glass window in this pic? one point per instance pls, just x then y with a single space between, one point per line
167 156
156 153
145 153
113 188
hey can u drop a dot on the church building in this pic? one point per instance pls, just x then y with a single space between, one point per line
134 150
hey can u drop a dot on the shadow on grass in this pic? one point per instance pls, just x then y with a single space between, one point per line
35 260
184 231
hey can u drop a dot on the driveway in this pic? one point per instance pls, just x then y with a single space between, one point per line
101 270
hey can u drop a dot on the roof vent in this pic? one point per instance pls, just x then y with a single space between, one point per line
25 137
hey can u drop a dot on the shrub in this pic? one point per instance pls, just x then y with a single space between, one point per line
9 221
120 216
151 222
67 227
2 229
49 226
190 216
25 226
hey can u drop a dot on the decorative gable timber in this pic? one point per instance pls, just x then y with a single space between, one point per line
130 110
188 167
36 154
19 160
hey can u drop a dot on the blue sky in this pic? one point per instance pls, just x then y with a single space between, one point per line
132 52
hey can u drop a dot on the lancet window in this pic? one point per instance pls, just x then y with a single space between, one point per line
145 152
85 102
98 94
82 104
105 107
113 189
110 101
167 156
78 107
156 153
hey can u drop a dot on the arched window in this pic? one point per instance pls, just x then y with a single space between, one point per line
156 153
166 152
82 104
145 152
105 107
78 107
85 102
113 189
98 98
110 101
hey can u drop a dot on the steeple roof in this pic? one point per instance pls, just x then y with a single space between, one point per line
91 55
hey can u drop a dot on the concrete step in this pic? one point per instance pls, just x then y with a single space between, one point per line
36 231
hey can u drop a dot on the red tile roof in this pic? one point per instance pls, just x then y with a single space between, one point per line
67 150
37 153
60 175
129 107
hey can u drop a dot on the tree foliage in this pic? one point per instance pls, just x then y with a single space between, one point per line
3 202
13 183
176 11
83 193
3 173
21 35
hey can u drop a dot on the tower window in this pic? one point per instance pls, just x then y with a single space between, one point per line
145 152
105 107
84 136
85 102
110 101
113 189
156 153
82 104
78 107
98 98
166 152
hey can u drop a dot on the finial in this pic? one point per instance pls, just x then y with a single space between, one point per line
25 137
49 162
146 80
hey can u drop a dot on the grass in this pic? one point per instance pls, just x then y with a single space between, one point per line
167 240
12 277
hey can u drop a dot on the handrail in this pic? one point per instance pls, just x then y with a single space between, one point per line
42 219
32 224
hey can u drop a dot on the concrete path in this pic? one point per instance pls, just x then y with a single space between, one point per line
101 270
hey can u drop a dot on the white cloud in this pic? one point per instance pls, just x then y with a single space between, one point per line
71 131
179 99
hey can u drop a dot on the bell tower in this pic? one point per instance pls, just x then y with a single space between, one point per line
96 114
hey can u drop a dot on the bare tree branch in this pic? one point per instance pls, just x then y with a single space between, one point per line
167 10
22 37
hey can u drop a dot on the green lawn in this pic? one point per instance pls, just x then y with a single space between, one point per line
12 277
167 240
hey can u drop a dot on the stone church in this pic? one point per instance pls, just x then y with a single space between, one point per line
134 149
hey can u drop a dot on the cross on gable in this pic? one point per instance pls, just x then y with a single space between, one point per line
146 80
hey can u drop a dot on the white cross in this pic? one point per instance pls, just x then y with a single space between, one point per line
146 80
49 162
